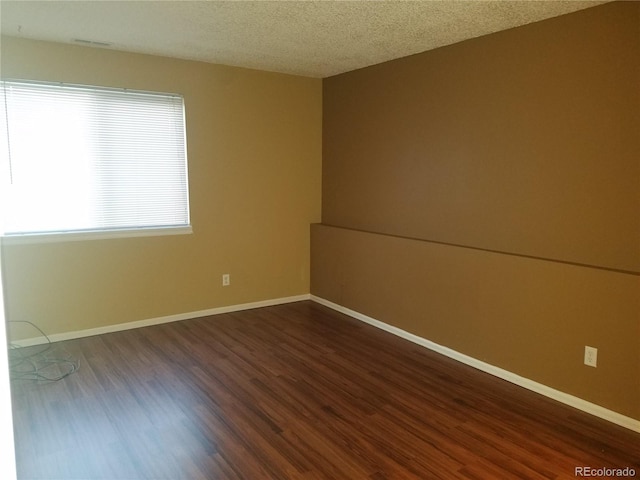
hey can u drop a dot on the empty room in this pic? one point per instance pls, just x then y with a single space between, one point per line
320 239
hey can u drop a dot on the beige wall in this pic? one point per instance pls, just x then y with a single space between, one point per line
523 146
254 147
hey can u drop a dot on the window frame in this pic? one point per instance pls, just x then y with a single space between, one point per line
52 236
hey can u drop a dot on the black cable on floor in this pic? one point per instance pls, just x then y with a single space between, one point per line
42 363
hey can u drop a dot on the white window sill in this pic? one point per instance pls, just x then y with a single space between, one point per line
22 239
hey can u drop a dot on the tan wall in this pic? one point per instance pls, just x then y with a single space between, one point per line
529 317
254 147
525 142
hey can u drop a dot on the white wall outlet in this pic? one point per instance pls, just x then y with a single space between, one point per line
591 356
226 280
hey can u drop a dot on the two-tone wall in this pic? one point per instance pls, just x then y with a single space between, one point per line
486 196
254 149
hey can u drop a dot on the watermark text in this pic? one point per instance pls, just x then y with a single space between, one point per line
604 472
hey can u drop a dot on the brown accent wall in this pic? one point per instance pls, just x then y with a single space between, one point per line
254 148
523 145
524 141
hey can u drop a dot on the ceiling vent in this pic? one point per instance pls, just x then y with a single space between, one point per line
91 42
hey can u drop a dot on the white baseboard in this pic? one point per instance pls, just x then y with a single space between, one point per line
58 337
549 392
580 404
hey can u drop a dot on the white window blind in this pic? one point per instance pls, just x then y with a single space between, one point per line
86 159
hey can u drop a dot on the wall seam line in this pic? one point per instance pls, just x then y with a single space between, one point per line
489 250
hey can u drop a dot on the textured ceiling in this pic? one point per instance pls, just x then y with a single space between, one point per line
311 38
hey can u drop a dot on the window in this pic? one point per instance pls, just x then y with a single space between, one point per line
78 159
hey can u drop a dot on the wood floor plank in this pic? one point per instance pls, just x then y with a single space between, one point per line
290 392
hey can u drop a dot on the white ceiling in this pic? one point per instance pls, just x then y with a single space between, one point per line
311 38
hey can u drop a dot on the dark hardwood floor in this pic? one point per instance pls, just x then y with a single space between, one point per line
294 392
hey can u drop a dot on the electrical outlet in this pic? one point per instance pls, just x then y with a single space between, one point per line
226 280
591 356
